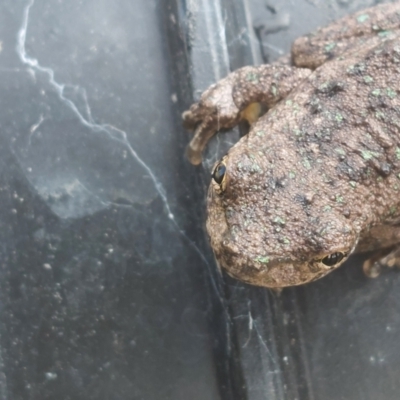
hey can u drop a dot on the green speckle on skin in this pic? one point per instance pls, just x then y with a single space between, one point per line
398 153
255 168
288 102
393 210
323 87
362 18
340 151
262 259
279 220
376 92
353 184
356 68
339 117
297 132
391 93
368 155
306 163
339 199
323 231
327 208
260 133
286 240
292 175
368 79
395 188
330 46
274 90
384 33
252 77
380 115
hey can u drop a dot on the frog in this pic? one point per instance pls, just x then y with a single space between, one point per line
317 177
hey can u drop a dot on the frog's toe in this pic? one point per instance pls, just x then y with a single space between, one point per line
373 266
392 260
193 154
202 135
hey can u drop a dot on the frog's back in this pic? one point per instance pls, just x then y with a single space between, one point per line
343 125
352 31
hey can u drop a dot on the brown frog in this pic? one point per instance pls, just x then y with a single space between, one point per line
317 178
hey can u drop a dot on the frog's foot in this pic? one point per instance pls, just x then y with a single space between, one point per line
215 110
373 266
235 98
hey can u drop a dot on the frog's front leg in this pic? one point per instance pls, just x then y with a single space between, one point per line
224 104
386 258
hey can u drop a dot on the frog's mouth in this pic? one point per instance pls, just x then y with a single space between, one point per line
274 275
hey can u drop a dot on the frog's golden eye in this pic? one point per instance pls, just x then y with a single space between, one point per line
219 173
333 259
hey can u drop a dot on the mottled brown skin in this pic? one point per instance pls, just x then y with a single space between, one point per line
319 173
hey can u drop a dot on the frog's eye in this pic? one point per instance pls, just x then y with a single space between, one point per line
219 173
333 259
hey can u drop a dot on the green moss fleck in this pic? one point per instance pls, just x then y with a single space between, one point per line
368 79
279 220
398 153
255 168
292 175
384 33
262 259
327 208
252 77
376 92
353 184
340 151
330 46
306 163
362 18
368 155
339 117
339 199
286 240
391 93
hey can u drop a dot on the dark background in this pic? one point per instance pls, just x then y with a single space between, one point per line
108 288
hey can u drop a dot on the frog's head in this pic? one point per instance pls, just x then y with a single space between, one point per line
276 225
